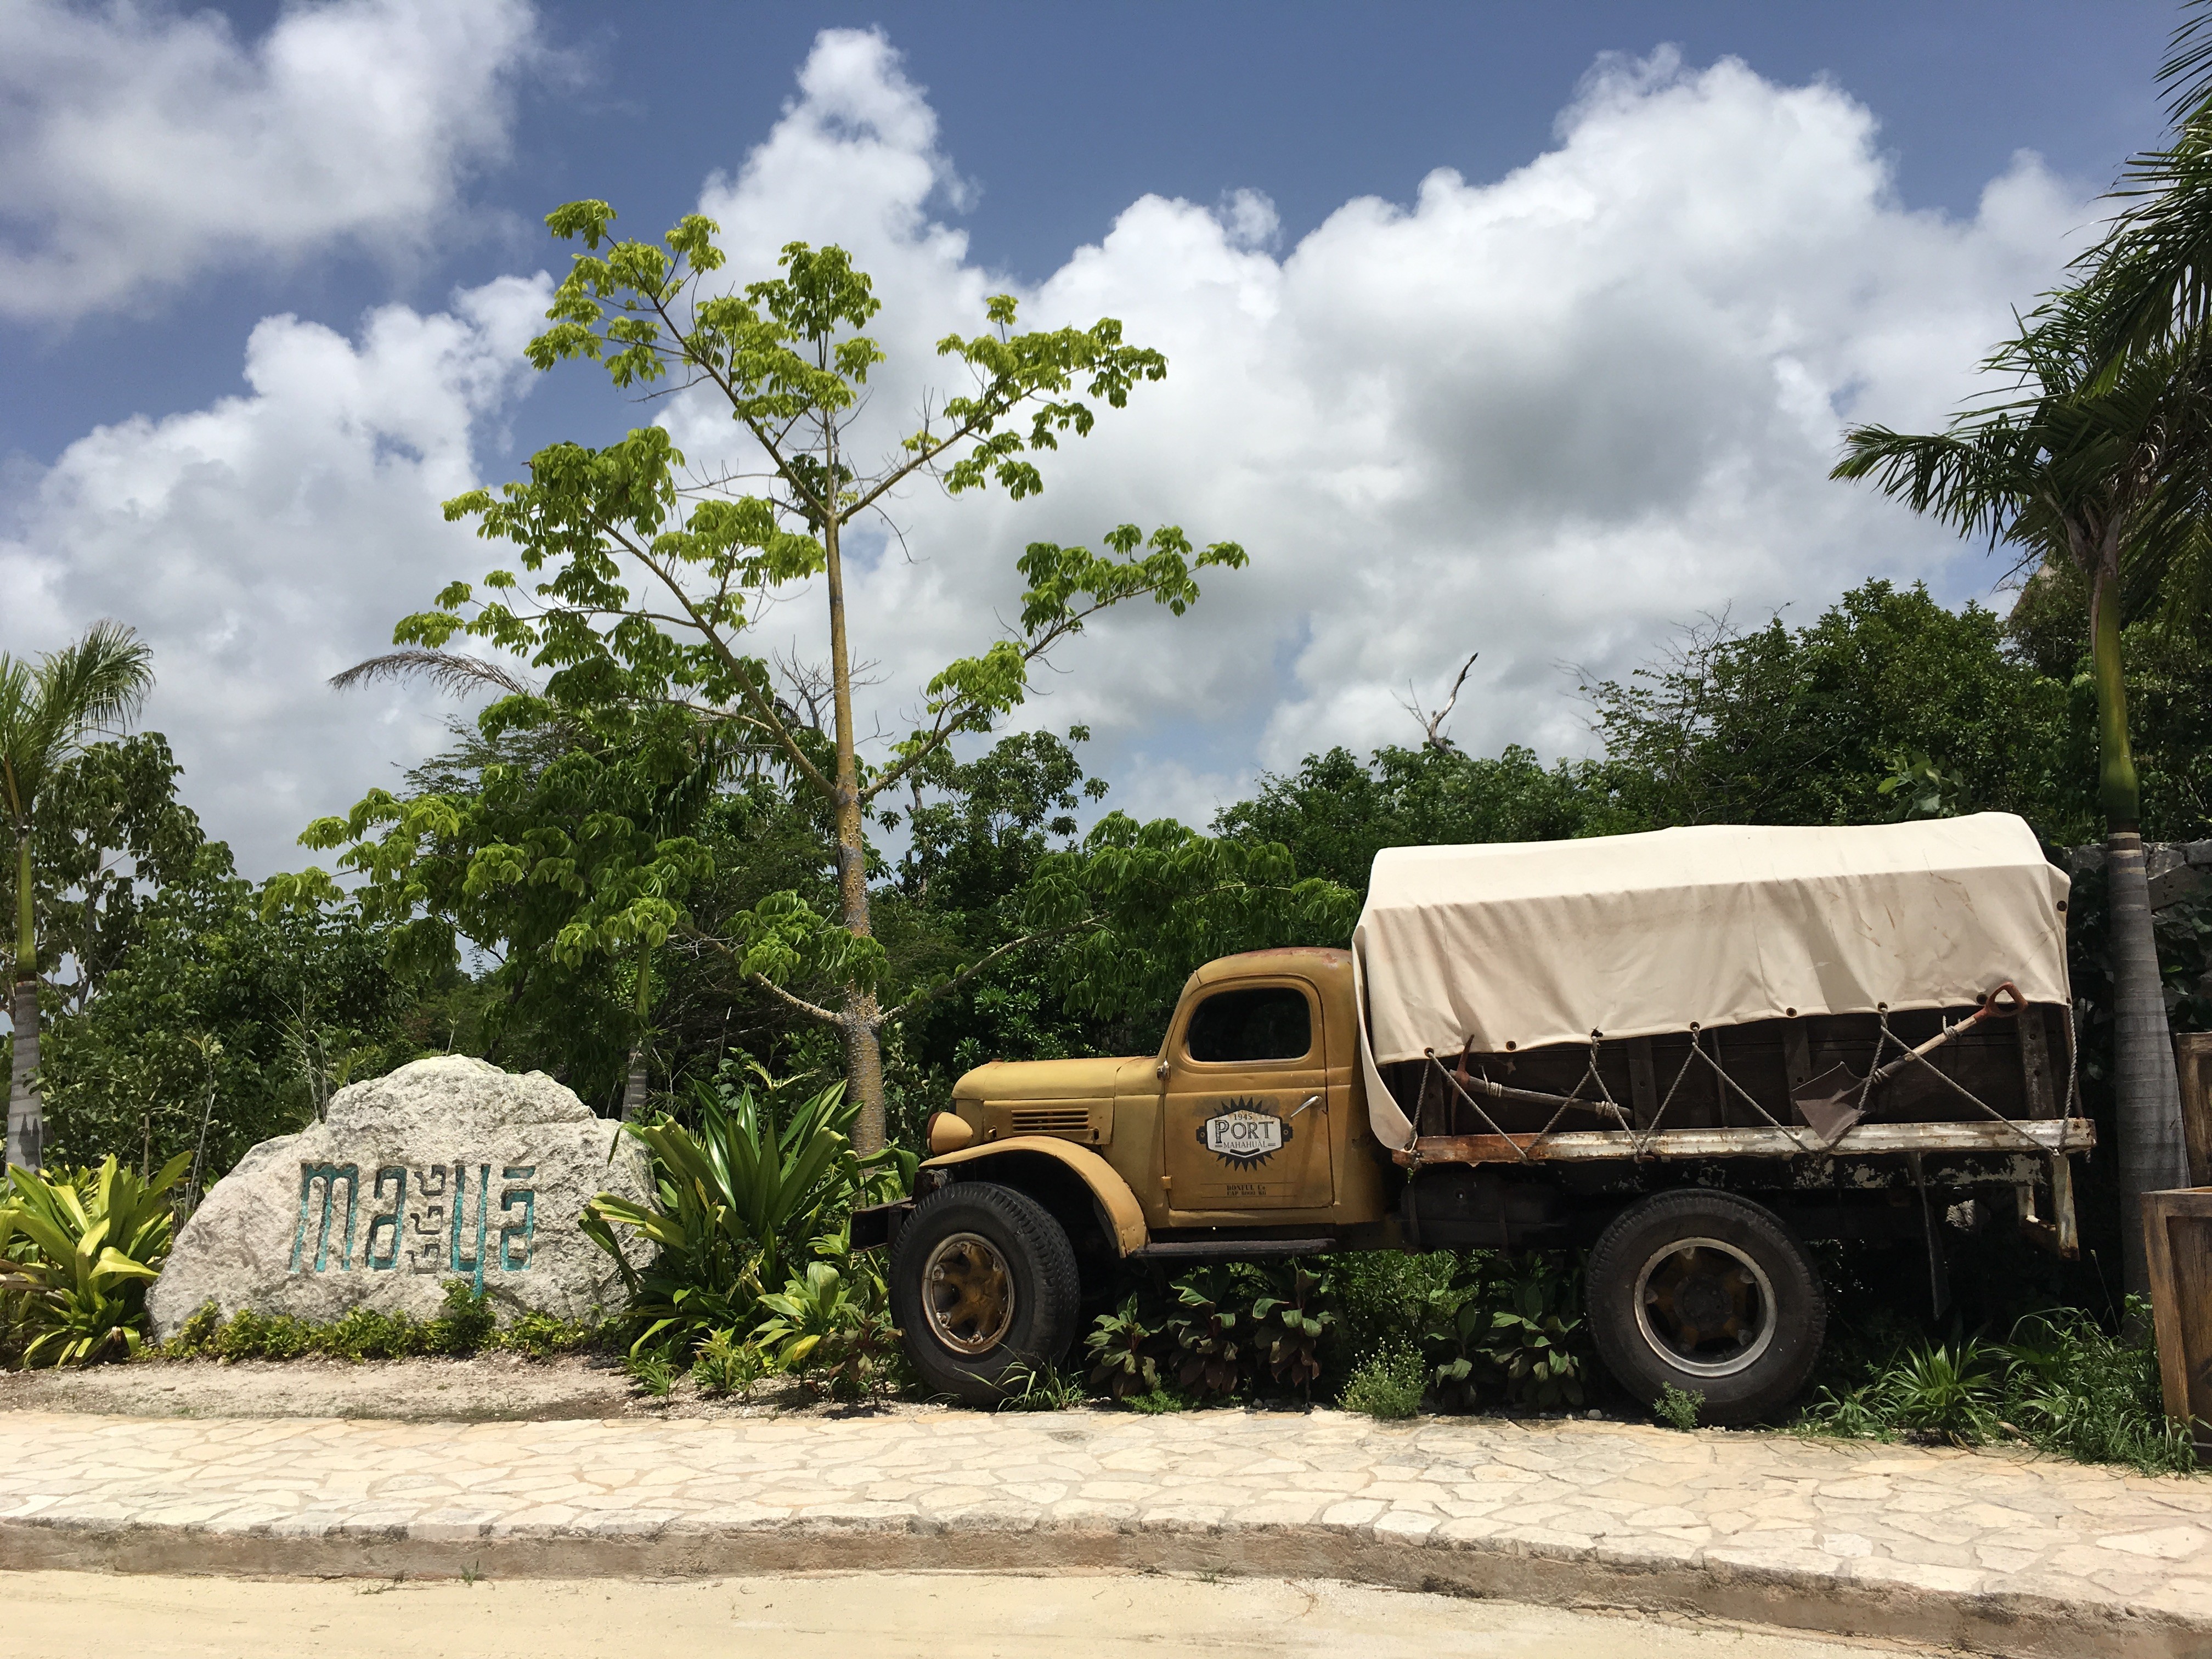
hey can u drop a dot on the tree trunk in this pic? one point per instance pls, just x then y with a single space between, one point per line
859 1018
2147 1094
26 1120
633 1099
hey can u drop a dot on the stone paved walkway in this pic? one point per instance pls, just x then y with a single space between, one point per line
1995 1550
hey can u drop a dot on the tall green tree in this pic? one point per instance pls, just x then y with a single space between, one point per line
648 579
47 709
2093 467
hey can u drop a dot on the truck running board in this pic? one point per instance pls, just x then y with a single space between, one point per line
1230 1249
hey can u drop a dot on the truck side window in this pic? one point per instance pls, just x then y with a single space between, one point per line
1270 1022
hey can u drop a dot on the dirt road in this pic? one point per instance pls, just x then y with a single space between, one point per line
940 1616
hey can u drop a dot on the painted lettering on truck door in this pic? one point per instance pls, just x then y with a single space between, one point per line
1247 1120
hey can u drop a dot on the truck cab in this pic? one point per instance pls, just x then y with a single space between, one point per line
1251 1114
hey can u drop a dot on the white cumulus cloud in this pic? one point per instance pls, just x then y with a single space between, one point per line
1547 416
140 145
265 542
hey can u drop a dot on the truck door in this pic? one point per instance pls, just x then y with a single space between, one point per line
1247 1120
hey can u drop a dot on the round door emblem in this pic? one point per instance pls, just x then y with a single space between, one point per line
1244 1133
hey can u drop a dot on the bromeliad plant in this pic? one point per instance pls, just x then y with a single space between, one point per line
77 1249
740 1202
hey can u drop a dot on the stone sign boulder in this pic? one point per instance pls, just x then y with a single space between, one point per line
447 1168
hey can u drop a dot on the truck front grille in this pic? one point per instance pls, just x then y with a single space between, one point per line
1071 1120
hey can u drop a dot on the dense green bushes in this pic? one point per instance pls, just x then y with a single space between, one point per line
466 1325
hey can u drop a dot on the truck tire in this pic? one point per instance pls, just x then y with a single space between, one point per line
1709 1293
983 1284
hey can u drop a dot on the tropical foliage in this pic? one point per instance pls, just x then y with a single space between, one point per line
47 708
77 1249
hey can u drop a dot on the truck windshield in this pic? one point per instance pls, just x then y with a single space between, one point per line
1269 1022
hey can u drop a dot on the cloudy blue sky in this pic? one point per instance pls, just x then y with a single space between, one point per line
1522 327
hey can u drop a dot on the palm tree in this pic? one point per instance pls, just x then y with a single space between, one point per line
46 710
2093 464
2152 272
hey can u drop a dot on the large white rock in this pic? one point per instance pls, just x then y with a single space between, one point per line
447 1168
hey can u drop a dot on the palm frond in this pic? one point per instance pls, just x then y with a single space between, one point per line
2186 74
451 671
97 683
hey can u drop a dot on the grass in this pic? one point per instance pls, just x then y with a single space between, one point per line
2061 1382
1040 1388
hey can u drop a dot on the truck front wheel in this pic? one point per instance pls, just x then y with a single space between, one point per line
983 1286
1709 1293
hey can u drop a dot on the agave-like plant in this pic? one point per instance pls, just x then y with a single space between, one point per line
77 1249
736 1203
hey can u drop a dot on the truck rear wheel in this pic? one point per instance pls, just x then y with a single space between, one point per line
1709 1293
983 1285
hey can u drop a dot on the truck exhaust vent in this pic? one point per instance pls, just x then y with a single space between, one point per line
1073 1122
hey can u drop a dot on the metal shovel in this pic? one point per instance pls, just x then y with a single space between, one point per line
1830 1102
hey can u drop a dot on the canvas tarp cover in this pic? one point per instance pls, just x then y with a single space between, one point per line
1529 943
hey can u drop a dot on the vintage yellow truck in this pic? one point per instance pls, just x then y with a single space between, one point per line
1687 1052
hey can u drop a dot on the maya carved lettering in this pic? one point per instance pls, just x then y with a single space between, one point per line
328 1176
470 1266
512 1233
385 1257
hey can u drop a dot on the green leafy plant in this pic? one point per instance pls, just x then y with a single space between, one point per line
1212 1333
2061 1382
1388 1385
1533 1338
1157 1403
828 1329
2072 1388
651 1372
727 1362
1951 1391
537 1335
465 1324
1678 1408
1125 1352
80 1246
1289 1328
1453 1335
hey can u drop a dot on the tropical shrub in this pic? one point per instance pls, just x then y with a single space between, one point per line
1210 1325
1533 1334
1125 1352
831 1330
80 1247
740 1202
1289 1328
465 1325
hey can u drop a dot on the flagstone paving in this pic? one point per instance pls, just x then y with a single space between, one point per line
2000 1551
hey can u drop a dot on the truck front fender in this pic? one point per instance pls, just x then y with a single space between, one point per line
1117 1205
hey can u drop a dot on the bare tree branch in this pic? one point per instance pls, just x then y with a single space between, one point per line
1432 725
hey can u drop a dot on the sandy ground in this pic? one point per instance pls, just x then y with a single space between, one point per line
492 1388
940 1615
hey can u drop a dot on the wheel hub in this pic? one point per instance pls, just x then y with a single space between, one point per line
1705 1306
968 1293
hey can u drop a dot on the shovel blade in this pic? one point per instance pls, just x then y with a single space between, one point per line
1828 1102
